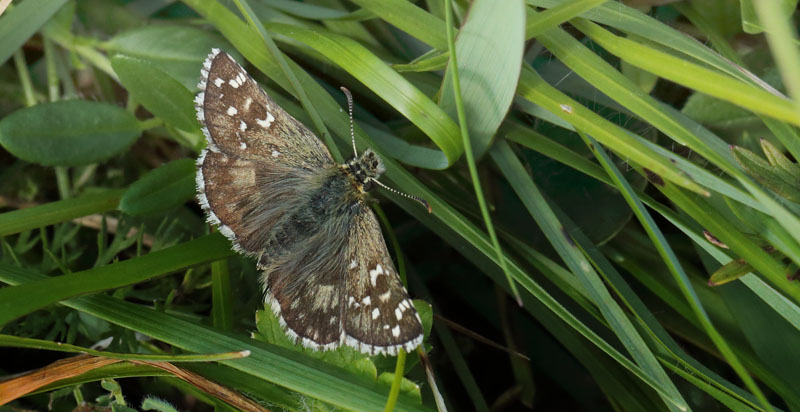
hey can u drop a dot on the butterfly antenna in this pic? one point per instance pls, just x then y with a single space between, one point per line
350 111
420 200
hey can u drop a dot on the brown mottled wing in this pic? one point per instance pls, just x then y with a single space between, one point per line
379 317
240 120
259 158
305 288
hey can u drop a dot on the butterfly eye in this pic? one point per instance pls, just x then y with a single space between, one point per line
368 185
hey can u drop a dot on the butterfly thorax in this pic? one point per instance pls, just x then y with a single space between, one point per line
364 170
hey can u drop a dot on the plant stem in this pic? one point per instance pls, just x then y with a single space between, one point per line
473 171
398 377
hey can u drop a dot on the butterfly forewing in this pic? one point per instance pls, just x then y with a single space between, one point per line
257 155
241 120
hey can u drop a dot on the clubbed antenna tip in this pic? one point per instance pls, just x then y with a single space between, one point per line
350 112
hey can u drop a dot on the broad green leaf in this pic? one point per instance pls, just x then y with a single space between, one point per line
177 50
159 93
167 187
489 49
68 133
21 21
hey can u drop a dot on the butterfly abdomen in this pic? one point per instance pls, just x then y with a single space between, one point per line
325 211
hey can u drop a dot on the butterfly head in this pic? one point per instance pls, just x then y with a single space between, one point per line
366 169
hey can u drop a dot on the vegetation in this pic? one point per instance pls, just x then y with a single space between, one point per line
615 196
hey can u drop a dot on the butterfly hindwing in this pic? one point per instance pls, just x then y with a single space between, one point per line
304 269
308 305
379 316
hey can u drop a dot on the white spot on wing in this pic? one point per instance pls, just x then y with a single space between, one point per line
232 111
375 313
242 125
385 296
266 122
218 82
247 103
275 153
398 314
373 274
353 263
396 331
366 301
243 145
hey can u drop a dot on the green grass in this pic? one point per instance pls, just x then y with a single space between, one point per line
580 158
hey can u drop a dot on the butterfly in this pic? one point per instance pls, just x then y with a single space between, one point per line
272 188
